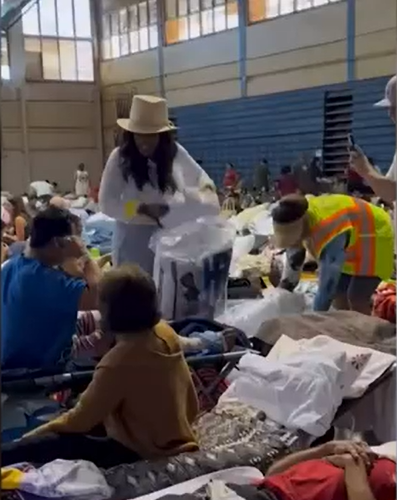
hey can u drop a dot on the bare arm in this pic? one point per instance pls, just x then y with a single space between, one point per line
20 225
92 276
354 450
296 458
383 186
356 481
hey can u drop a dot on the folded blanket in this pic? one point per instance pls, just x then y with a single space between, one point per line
346 326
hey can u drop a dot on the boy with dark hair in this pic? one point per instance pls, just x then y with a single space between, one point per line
141 392
39 300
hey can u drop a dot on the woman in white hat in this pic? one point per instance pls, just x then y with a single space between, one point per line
151 181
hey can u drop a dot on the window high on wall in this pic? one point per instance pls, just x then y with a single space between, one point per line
188 19
5 64
130 30
260 10
58 37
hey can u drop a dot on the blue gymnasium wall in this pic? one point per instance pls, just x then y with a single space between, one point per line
280 127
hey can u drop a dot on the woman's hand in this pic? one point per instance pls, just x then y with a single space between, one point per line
359 162
341 461
358 450
104 260
154 211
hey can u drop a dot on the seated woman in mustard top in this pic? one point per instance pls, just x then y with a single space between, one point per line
141 393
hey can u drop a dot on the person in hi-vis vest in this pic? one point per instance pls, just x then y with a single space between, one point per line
351 239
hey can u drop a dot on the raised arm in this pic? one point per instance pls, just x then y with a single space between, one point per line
111 188
285 463
383 186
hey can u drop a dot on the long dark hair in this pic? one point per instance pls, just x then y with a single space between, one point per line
18 206
134 164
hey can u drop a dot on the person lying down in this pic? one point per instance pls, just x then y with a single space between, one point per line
337 470
141 397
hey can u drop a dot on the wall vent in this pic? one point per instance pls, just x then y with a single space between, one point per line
338 123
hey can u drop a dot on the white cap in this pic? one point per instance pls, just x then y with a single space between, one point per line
390 94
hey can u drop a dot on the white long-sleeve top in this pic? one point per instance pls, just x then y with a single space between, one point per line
187 203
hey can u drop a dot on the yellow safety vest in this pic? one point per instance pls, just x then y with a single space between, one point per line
370 250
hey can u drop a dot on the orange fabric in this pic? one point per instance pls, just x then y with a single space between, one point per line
20 225
320 244
365 224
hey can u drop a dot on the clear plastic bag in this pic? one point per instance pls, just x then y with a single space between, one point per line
242 246
191 267
248 315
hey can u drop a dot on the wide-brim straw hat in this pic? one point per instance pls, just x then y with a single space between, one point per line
289 235
148 115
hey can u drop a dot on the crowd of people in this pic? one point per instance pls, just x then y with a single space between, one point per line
150 182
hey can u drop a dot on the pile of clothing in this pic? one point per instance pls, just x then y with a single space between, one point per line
60 479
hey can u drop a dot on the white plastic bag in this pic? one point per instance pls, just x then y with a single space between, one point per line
189 205
242 246
262 224
248 315
191 267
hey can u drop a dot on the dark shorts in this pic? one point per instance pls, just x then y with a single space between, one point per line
358 286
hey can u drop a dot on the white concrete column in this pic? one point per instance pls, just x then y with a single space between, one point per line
17 58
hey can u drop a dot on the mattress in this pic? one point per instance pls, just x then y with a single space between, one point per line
231 435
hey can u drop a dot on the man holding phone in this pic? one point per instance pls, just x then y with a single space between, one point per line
40 301
383 186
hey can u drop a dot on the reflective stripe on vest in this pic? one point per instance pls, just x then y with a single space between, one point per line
360 254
